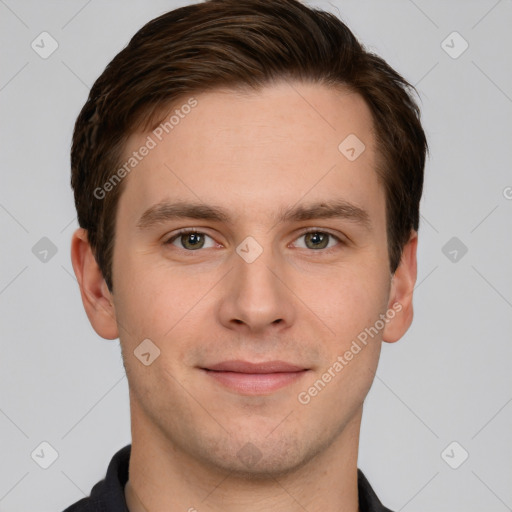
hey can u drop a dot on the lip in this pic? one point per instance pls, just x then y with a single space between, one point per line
249 378
239 366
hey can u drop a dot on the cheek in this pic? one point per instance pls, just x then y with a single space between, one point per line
351 299
158 301
142 297
154 298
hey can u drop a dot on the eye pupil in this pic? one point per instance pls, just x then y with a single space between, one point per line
320 240
193 238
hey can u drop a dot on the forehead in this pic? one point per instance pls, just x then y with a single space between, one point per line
256 152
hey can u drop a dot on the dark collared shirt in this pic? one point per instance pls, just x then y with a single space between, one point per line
108 494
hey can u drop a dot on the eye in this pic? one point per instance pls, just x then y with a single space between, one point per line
315 239
190 240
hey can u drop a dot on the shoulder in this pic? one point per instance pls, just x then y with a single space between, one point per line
108 494
368 499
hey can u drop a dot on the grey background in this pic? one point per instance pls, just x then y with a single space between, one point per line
447 380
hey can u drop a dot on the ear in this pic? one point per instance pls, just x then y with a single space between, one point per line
96 297
401 292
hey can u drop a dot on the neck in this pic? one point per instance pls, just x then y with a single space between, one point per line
164 477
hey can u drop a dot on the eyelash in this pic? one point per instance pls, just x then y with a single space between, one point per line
193 230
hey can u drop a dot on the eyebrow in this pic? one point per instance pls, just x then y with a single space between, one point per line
341 209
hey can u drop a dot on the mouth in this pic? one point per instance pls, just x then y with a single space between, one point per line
249 378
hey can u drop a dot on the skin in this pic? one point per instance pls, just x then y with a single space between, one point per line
252 153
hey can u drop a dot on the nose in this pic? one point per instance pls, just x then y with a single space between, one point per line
258 295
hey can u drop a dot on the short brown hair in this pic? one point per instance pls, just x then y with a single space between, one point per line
241 44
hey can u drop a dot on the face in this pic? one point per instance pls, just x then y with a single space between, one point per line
282 267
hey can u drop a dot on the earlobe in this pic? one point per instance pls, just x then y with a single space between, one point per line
96 298
400 306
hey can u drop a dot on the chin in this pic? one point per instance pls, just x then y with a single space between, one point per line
256 457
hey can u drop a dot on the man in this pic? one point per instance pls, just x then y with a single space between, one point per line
247 180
